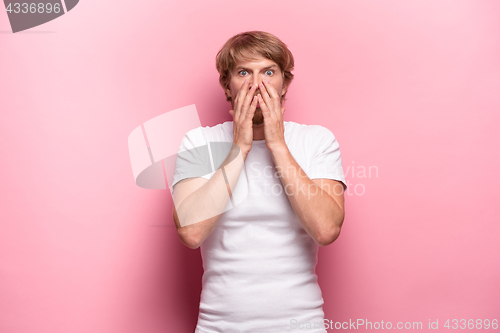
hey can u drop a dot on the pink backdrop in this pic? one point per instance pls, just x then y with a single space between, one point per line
409 88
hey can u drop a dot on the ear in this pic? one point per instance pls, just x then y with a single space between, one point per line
227 91
283 90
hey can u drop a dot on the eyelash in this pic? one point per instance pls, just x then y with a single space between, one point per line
269 70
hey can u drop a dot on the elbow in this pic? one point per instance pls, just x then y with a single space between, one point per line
185 234
327 240
192 245
328 237
188 239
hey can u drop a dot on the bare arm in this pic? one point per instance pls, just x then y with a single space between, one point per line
319 203
199 203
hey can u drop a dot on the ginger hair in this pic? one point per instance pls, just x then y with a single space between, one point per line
247 46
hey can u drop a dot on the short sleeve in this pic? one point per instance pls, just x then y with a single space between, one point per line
326 161
193 158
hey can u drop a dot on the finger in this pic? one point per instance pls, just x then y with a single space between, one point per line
251 109
249 97
246 94
267 97
231 112
238 98
273 93
265 110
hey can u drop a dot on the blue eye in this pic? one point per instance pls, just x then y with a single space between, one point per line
244 72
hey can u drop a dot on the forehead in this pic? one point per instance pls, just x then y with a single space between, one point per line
258 63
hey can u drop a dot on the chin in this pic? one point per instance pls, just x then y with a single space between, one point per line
258 118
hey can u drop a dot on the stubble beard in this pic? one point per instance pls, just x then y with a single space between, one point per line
258 118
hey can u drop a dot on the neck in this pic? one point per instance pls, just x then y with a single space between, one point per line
258 132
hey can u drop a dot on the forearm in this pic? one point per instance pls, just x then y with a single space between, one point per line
199 212
320 215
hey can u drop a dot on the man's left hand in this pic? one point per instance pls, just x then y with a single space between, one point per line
274 127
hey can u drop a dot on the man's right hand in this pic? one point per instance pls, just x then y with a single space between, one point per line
244 109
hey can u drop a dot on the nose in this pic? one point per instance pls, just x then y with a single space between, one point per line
256 80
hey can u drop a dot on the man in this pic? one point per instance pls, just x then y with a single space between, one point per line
259 256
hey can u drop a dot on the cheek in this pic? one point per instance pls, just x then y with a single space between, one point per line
278 84
278 88
234 89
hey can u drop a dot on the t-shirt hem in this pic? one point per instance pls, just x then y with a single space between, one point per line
328 176
199 330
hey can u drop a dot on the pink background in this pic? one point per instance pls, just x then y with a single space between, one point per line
410 88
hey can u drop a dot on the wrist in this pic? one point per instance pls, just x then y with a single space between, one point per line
241 150
279 149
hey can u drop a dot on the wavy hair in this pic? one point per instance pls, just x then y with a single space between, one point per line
247 46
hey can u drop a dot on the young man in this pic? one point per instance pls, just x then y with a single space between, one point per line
259 256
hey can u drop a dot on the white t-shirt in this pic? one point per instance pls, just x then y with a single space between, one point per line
259 262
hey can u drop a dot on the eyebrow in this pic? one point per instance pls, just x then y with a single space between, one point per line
265 68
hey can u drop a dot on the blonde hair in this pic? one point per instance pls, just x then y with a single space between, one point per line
246 46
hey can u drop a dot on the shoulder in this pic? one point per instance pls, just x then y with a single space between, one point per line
219 132
312 133
322 133
201 135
